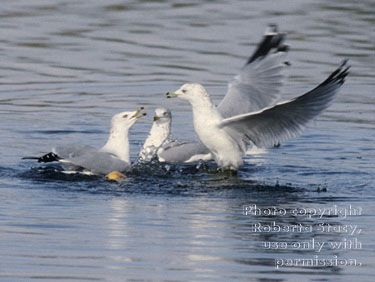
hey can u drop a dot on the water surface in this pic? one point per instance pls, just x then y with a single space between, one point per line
67 67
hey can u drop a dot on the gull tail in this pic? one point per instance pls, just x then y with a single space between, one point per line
47 158
272 42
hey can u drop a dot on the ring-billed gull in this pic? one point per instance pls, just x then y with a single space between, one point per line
158 135
255 87
159 144
113 156
227 138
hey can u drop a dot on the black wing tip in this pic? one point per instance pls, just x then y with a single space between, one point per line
30 158
272 42
271 28
282 48
47 158
339 75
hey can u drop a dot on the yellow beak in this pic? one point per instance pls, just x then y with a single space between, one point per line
141 115
137 112
171 95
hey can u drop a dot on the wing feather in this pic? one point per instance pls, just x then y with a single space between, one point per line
88 157
286 120
254 88
257 85
99 162
177 152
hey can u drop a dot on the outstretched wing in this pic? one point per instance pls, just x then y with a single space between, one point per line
257 85
254 88
285 120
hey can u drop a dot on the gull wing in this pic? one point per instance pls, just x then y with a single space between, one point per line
62 152
257 85
98 162
71 150
276 124
254 88
87 157
177 152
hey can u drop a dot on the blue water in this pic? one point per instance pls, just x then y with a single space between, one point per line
67 67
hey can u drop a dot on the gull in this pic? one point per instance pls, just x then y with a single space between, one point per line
255 87
227 138
159 144
113 156
158 135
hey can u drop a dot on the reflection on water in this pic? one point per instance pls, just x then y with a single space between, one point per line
67 66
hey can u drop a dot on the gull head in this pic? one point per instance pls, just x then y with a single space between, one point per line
190 92
159 132
127 119
162 116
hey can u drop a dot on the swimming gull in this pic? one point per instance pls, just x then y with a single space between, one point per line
255 87
227 138
158 143
158 135
113 156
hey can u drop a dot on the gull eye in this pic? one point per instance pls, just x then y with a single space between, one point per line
183 91
125 116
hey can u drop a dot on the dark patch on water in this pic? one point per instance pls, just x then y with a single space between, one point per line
157 179
55 173
6 171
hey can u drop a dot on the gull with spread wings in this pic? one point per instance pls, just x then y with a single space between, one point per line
227 138
255 87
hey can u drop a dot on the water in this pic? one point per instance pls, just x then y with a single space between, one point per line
67 67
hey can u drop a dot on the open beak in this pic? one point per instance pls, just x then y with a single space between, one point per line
137 112
141 115
156 118
171 95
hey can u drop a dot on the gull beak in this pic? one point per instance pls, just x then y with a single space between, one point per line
137 112
171 95
156 118
141 115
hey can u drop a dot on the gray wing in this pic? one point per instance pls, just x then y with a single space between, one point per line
257 85
62 152
72 150
90 158
176 152
285 120
98 162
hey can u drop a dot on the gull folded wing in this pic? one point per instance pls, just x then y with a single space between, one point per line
177 152
98 162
